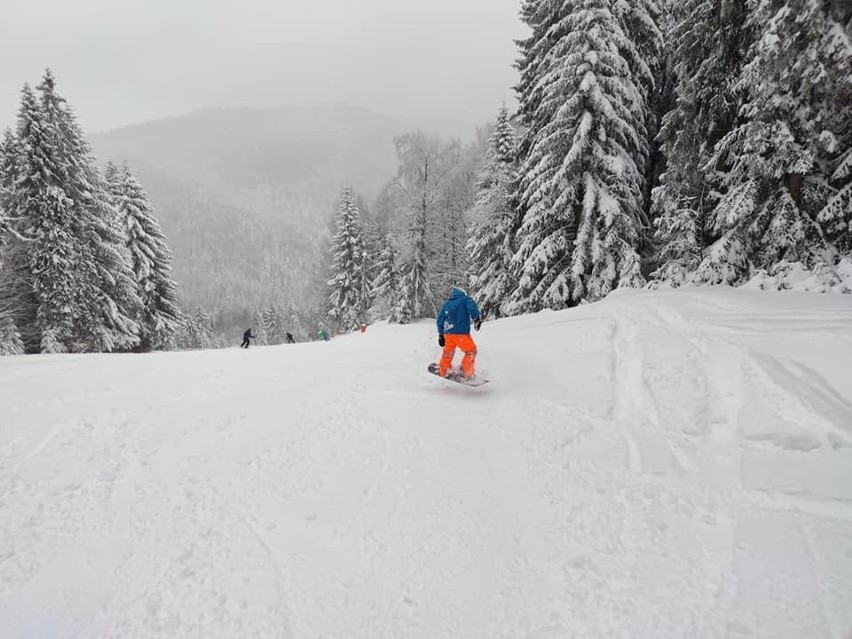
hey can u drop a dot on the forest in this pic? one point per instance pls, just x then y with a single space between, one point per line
652 143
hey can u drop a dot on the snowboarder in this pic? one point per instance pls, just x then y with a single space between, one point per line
247 337
290 339
454 332
324 336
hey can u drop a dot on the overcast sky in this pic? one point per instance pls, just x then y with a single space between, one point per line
121 61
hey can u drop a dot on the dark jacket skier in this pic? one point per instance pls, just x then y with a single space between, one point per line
247 337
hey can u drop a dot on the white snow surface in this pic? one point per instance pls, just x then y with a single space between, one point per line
660 464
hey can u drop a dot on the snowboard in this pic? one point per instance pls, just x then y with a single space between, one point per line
458 378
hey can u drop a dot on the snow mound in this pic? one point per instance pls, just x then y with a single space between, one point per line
794 276
660 464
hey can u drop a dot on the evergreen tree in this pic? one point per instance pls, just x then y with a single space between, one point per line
796 109
350 291
272 325
72 287
8 155
196 332
373 237
416 297
10 338
583 157
709 41
260 336
541 17
159 314
491 239
386 285
644 52
835 215
678 233
53 256
296 326
110 296
17 299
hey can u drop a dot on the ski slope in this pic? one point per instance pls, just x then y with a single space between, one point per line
661 464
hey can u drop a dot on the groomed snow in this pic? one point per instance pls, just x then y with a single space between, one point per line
662 464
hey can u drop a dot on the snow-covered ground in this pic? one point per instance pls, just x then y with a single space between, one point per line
662 464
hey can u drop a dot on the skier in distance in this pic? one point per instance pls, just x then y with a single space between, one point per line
247 337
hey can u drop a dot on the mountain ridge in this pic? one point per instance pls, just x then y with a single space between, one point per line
222 177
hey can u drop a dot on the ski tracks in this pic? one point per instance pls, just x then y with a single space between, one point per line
782 432
665 501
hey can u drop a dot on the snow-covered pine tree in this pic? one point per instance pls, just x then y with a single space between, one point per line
350 289
661 102
295 325
196 331
160 316
50 260
260 337
72 281
10 337
786 141
709 39
541 17
490 244
386 285
678 233
836 213
373 236
581 186
109 296
8 153
18 303
17 299
272 325
645 54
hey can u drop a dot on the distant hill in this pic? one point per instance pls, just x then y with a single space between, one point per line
244 194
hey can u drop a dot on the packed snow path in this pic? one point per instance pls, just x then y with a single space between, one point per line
672 464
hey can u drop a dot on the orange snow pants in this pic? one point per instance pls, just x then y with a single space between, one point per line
468 347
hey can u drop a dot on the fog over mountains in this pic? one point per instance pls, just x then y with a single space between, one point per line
245 194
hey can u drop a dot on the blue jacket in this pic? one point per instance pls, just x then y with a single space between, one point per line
455 316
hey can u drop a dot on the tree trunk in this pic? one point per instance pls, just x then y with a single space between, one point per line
794 185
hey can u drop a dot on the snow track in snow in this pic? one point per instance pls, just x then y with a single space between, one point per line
662 464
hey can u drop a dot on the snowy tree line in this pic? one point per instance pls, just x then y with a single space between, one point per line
691 142
396 258
670 143
767 178
84 266
272 324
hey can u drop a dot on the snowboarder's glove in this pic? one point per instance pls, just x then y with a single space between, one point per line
441 341
477 323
